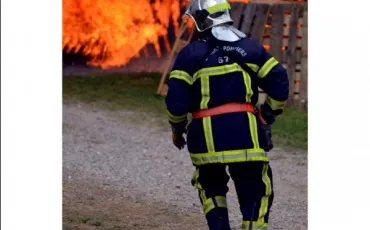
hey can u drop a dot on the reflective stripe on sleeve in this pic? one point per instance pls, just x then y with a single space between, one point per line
266 68
174 118
275 104
181 75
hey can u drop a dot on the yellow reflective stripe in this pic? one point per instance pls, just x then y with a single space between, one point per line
218 7
254 67
218 70
207 127
208 205
248 87
182 75
229 156
253 130
195 179
256 225
274 104
174 118
205 91
202 192
221 201
265 69
265 199
223 69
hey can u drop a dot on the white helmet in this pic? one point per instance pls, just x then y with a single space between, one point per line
209 13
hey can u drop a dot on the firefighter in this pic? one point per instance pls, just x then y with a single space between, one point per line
210 81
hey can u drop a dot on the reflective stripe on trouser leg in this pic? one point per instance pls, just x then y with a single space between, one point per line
259 216
221 201
211 202
255 225
214 202
214 206
268 191
208 204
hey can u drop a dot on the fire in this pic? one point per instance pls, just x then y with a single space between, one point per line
111 32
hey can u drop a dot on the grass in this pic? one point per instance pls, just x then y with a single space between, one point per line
136 92
290 129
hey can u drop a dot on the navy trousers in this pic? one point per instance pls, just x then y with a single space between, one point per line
254 187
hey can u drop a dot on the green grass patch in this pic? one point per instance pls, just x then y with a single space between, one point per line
290 129
116 91
136 92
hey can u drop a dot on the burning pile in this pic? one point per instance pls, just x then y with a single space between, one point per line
111 32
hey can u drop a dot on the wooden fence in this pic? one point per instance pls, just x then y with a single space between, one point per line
281 27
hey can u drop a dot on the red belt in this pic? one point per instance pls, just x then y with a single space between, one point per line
226 108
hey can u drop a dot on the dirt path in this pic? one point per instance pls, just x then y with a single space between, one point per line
121 172
88 206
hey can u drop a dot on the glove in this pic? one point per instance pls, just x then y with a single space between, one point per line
266 115
264 130
177 136
265 137
178 140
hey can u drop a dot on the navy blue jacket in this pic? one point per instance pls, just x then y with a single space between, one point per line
204 77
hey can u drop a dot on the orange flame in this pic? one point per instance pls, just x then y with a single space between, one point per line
111 32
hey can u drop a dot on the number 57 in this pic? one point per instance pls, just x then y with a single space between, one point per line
223 59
